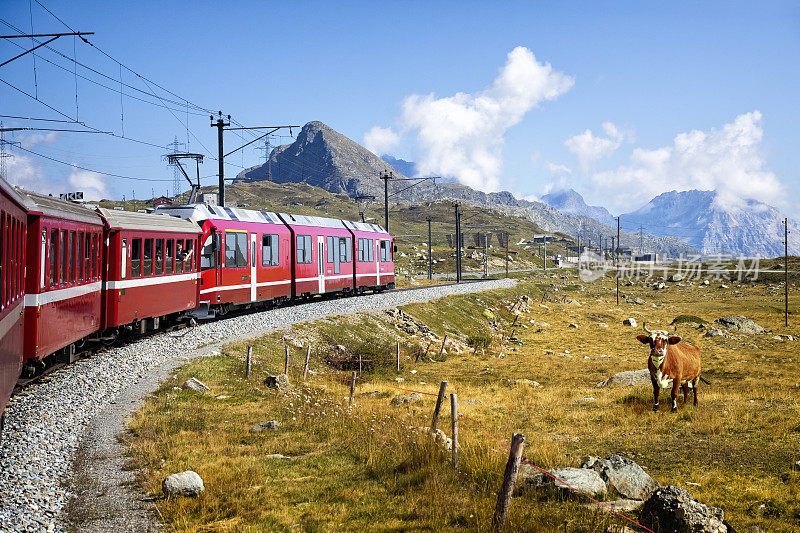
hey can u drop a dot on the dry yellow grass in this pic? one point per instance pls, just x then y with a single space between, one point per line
364 470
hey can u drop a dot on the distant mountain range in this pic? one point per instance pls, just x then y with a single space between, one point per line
325 158
570 202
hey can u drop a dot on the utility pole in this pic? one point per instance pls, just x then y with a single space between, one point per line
641 240
485 255
458 245
506 236
386 176
430 250
617 261
545 253
786 272
3 154
176 177
220 125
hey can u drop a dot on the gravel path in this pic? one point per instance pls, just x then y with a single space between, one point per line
49 421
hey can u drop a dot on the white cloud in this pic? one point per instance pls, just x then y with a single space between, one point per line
590 147
461 136
555 168
92 184
727 159
380 140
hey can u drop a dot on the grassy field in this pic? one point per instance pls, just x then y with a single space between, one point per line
366 468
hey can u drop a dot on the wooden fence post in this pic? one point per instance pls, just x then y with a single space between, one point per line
305 366
509 479
438 409
359 363
249 362
352 387
286 361
454 421
442 348
398 356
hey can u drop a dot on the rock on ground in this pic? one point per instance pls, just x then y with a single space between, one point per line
414 397
196 385
279 382
187 483
261 426
623 474
631 378
740 323
580 479
672 508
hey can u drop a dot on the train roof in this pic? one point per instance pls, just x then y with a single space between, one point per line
11 192
307 220
363 226
147 222
39 204
200 212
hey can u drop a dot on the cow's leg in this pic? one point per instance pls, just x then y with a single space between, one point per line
676 384
656 392
695 382
685 388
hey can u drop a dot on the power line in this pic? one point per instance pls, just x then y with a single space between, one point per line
73 165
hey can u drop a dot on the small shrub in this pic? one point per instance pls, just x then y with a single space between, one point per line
479 340
685 319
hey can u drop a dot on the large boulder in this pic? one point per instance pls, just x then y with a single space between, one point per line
271 425
569 481
673 509
631 378
740 323
623 474
187 483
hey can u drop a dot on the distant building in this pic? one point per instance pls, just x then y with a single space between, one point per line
161 200
647 258
543 238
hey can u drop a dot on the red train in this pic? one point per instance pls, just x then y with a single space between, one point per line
95 275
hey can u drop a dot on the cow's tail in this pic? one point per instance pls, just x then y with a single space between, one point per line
704 380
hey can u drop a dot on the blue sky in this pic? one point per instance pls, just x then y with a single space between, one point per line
637 76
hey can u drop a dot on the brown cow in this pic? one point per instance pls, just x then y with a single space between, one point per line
672 364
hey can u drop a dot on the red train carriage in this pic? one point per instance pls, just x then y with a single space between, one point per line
322 255
63 279
151 269
13 224
374 253
245 255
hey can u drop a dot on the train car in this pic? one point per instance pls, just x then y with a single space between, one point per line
374 253
152 270
245 256
13 226
322 255
63 277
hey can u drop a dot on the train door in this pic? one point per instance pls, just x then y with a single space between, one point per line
253 274
321 262
42 260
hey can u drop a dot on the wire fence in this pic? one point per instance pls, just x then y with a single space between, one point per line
304 368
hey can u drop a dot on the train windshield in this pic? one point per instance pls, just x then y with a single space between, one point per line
208 257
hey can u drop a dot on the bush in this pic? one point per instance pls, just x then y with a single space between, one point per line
685 319
479 340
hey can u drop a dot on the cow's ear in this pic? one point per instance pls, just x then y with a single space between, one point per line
674 340
644 339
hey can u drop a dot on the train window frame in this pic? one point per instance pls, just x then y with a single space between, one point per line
169 256
147 258
235 254
331 249
208 252
270 249
62 257
188 258
12 278
136 257
158 257
123 263
305 252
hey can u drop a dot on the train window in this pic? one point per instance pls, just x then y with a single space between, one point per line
62 257
147 262
123 262
331 249
12 259
52 252
304 250
71 258
169 256
91 250
3 259
208 255
136 258
98 255
269 250
385 256
179 254
189 256
235 249
87 257
159 256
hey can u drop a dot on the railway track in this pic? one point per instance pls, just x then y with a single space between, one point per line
41 376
